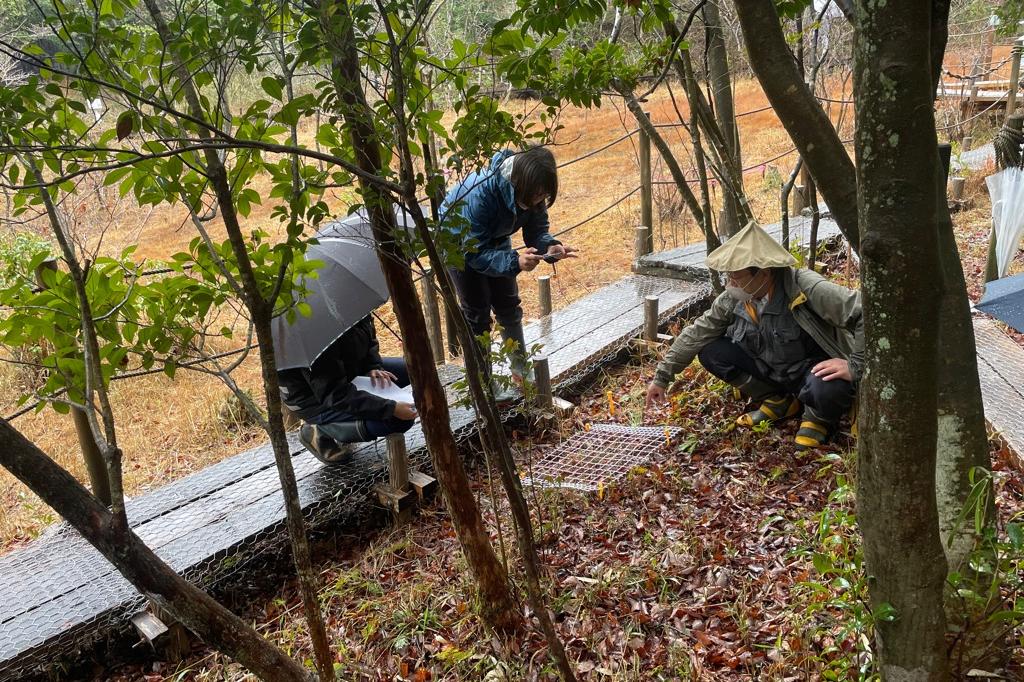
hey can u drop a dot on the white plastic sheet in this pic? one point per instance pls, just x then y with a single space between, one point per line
1007 191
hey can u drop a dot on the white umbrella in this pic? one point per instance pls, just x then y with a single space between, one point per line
1007 191
350 285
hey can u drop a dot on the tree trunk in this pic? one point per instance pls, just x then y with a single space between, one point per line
497 605
897 156
962 438
213 623
260 311
725 113
804 119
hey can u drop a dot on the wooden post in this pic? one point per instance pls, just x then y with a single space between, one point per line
396 495
965 144
94 464
651 319
646 187
957 189
799 199
398 459
542 372
806 185
544 294
968 107
1011 95
433 315
641 245
453 336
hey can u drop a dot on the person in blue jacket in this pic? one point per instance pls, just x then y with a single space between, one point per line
513 193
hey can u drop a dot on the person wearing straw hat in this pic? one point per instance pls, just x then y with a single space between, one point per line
786 338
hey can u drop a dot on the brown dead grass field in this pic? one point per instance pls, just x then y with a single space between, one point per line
168 429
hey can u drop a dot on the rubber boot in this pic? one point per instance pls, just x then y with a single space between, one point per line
774 405
814 431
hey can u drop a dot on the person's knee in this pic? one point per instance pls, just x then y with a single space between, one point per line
479 319
714 357
828 397
509 313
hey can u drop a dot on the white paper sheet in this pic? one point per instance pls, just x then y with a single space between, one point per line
390 392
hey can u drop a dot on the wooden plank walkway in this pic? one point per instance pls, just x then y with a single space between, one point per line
1001 370
59 596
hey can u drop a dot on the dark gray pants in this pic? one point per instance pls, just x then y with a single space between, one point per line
480 294
829 400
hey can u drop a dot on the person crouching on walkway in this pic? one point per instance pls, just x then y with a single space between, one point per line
786 338
336 415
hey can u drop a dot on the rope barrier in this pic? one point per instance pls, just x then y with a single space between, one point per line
599 213
953 36
987 72
753 111
984 111
599 149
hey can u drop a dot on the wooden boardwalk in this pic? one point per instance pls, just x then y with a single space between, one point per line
59 596
1001 370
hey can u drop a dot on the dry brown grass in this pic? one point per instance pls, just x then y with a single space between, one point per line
170 428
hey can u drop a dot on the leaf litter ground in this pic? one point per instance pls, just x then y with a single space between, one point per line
710 562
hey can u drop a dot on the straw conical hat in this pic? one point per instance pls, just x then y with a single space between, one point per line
751 247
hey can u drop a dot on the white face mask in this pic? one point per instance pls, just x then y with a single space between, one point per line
739 294
742 295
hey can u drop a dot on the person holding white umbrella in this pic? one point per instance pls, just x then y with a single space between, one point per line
322 357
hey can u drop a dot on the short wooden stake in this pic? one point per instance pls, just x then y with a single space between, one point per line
646 184
957 189
398 461
799 199
544 294
433 315
396 495
965 145
542 372
651 319
641 238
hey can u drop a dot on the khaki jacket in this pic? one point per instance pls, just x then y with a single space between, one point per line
829 313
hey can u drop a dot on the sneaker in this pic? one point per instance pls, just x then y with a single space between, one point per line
323 447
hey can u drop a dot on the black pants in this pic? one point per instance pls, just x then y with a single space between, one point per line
829 400
480 294
375 428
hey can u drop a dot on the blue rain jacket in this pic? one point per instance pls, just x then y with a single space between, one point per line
486 199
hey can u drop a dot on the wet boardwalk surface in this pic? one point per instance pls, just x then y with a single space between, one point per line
58 595
1001 370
